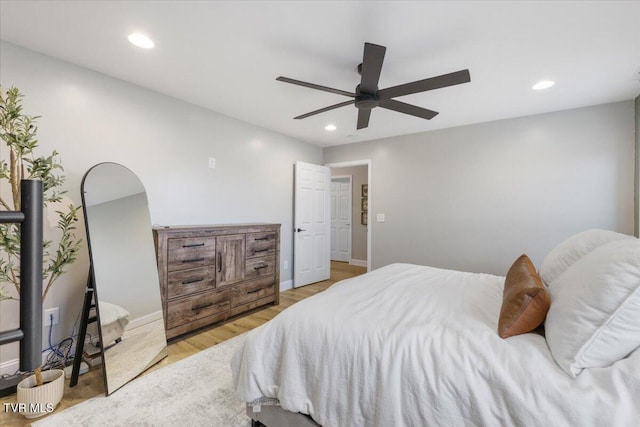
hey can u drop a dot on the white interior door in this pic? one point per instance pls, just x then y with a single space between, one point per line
341 218
312 224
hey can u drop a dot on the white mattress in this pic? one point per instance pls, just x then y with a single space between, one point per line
409 345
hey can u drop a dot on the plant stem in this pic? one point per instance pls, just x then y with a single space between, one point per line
4 204
15 281
15 188
38 373
49 283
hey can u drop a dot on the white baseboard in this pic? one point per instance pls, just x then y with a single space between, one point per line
143 320
11 366
358 262
286 285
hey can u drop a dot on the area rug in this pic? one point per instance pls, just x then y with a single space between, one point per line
196 391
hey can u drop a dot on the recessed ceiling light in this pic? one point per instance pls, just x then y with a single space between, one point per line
330 128
544 84
141 40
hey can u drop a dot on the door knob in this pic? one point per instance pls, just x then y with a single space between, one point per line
300 229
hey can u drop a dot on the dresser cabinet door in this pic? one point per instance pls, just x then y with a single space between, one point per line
230 259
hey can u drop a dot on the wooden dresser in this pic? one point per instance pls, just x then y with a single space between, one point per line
211 272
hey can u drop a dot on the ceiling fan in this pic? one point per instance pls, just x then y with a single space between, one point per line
367 96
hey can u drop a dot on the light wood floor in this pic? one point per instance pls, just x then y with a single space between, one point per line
91 383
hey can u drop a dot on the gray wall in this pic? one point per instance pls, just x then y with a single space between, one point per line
359 176
476 197
637 192
91 118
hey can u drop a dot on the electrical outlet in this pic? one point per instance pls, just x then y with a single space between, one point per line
47 316
286 264
212 163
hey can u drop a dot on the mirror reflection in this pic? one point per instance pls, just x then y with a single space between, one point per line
131 326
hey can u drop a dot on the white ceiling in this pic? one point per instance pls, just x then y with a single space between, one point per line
225 56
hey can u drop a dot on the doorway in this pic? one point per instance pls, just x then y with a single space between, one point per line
360 236
341 217
312 225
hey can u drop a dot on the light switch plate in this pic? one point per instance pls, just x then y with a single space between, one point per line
380 217
212 162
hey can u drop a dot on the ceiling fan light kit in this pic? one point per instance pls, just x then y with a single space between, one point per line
367 96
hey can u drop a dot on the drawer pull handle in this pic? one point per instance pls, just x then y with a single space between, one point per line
257 239
194 245
186 282
193 260
260 250
200 307
219 262
254 292
260 267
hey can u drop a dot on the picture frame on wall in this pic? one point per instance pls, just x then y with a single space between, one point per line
365 190
363 218
364 204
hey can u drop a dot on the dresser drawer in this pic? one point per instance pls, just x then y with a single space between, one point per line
197 306
253 290
191 252
260 267
261 244
185 282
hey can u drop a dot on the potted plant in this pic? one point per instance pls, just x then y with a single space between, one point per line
40 393
19 161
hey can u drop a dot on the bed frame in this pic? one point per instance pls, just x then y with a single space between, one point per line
275 416
29 334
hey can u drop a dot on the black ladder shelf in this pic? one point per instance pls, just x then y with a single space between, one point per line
29 334
86 319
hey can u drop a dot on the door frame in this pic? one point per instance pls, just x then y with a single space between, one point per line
365 162
350 178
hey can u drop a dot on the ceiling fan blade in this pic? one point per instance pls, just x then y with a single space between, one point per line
322 110
401 107
431 83
371 67
363 118
315 86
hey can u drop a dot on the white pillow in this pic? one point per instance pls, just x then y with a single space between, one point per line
594 318
572 249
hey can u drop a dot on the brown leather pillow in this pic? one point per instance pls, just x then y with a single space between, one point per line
525 300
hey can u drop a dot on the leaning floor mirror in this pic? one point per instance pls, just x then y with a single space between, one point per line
125 274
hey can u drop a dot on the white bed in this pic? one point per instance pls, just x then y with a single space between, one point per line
409 345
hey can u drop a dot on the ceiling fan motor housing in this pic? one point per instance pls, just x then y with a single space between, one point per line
366 101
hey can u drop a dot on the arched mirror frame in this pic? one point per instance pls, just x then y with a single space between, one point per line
109 363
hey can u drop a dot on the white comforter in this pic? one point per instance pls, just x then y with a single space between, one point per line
407 345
